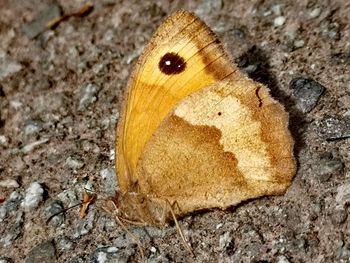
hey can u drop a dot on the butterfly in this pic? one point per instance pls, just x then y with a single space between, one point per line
195 133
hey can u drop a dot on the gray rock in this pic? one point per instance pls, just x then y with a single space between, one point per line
343 253
226 241
109 182
206 7
74 163
8 66
9 183
30 146
109 255
64 243
5 260
33 196
39 24
68 197
106 224
315 12
327 165
279 21
43 253
85 225
330 30
88 94
282 259
33 126
334 128
339 216
54 213
342 198
13 231
306 92
11 205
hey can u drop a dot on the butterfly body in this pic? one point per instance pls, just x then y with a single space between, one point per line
195 133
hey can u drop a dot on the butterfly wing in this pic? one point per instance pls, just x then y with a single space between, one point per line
221 145
182 57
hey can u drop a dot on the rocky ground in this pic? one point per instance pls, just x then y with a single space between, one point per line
60 91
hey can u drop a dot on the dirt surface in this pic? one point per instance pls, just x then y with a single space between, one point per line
60 92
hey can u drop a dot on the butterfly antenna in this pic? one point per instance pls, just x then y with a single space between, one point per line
63 211
135 238
187 246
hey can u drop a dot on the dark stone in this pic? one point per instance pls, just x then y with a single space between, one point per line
39 24
329 164
43 253
339 216
306 92
54 213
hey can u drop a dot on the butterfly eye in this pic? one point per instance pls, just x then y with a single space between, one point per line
172 63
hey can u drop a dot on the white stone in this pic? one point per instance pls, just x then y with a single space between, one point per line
33 196
279 21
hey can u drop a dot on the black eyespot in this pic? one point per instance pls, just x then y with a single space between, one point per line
219 113
172 63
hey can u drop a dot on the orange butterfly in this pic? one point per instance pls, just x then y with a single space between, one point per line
196 133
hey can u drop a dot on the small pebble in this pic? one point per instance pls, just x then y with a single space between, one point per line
343 253
330 30
109 182
68 198
5 260
74 163
33 126
43 253
8 66
315 12
225 241
30 147
85 225
328 165
343 195
218 226
106 224
109 255
339 216
13 231
279 21
299 43
3 139
64 243
54 212
282 259
11 205
88 94
306 92
39 24
9 183
33 196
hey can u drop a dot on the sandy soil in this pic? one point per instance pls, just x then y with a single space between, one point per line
60 92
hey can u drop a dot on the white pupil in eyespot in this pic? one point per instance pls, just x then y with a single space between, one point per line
168 62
